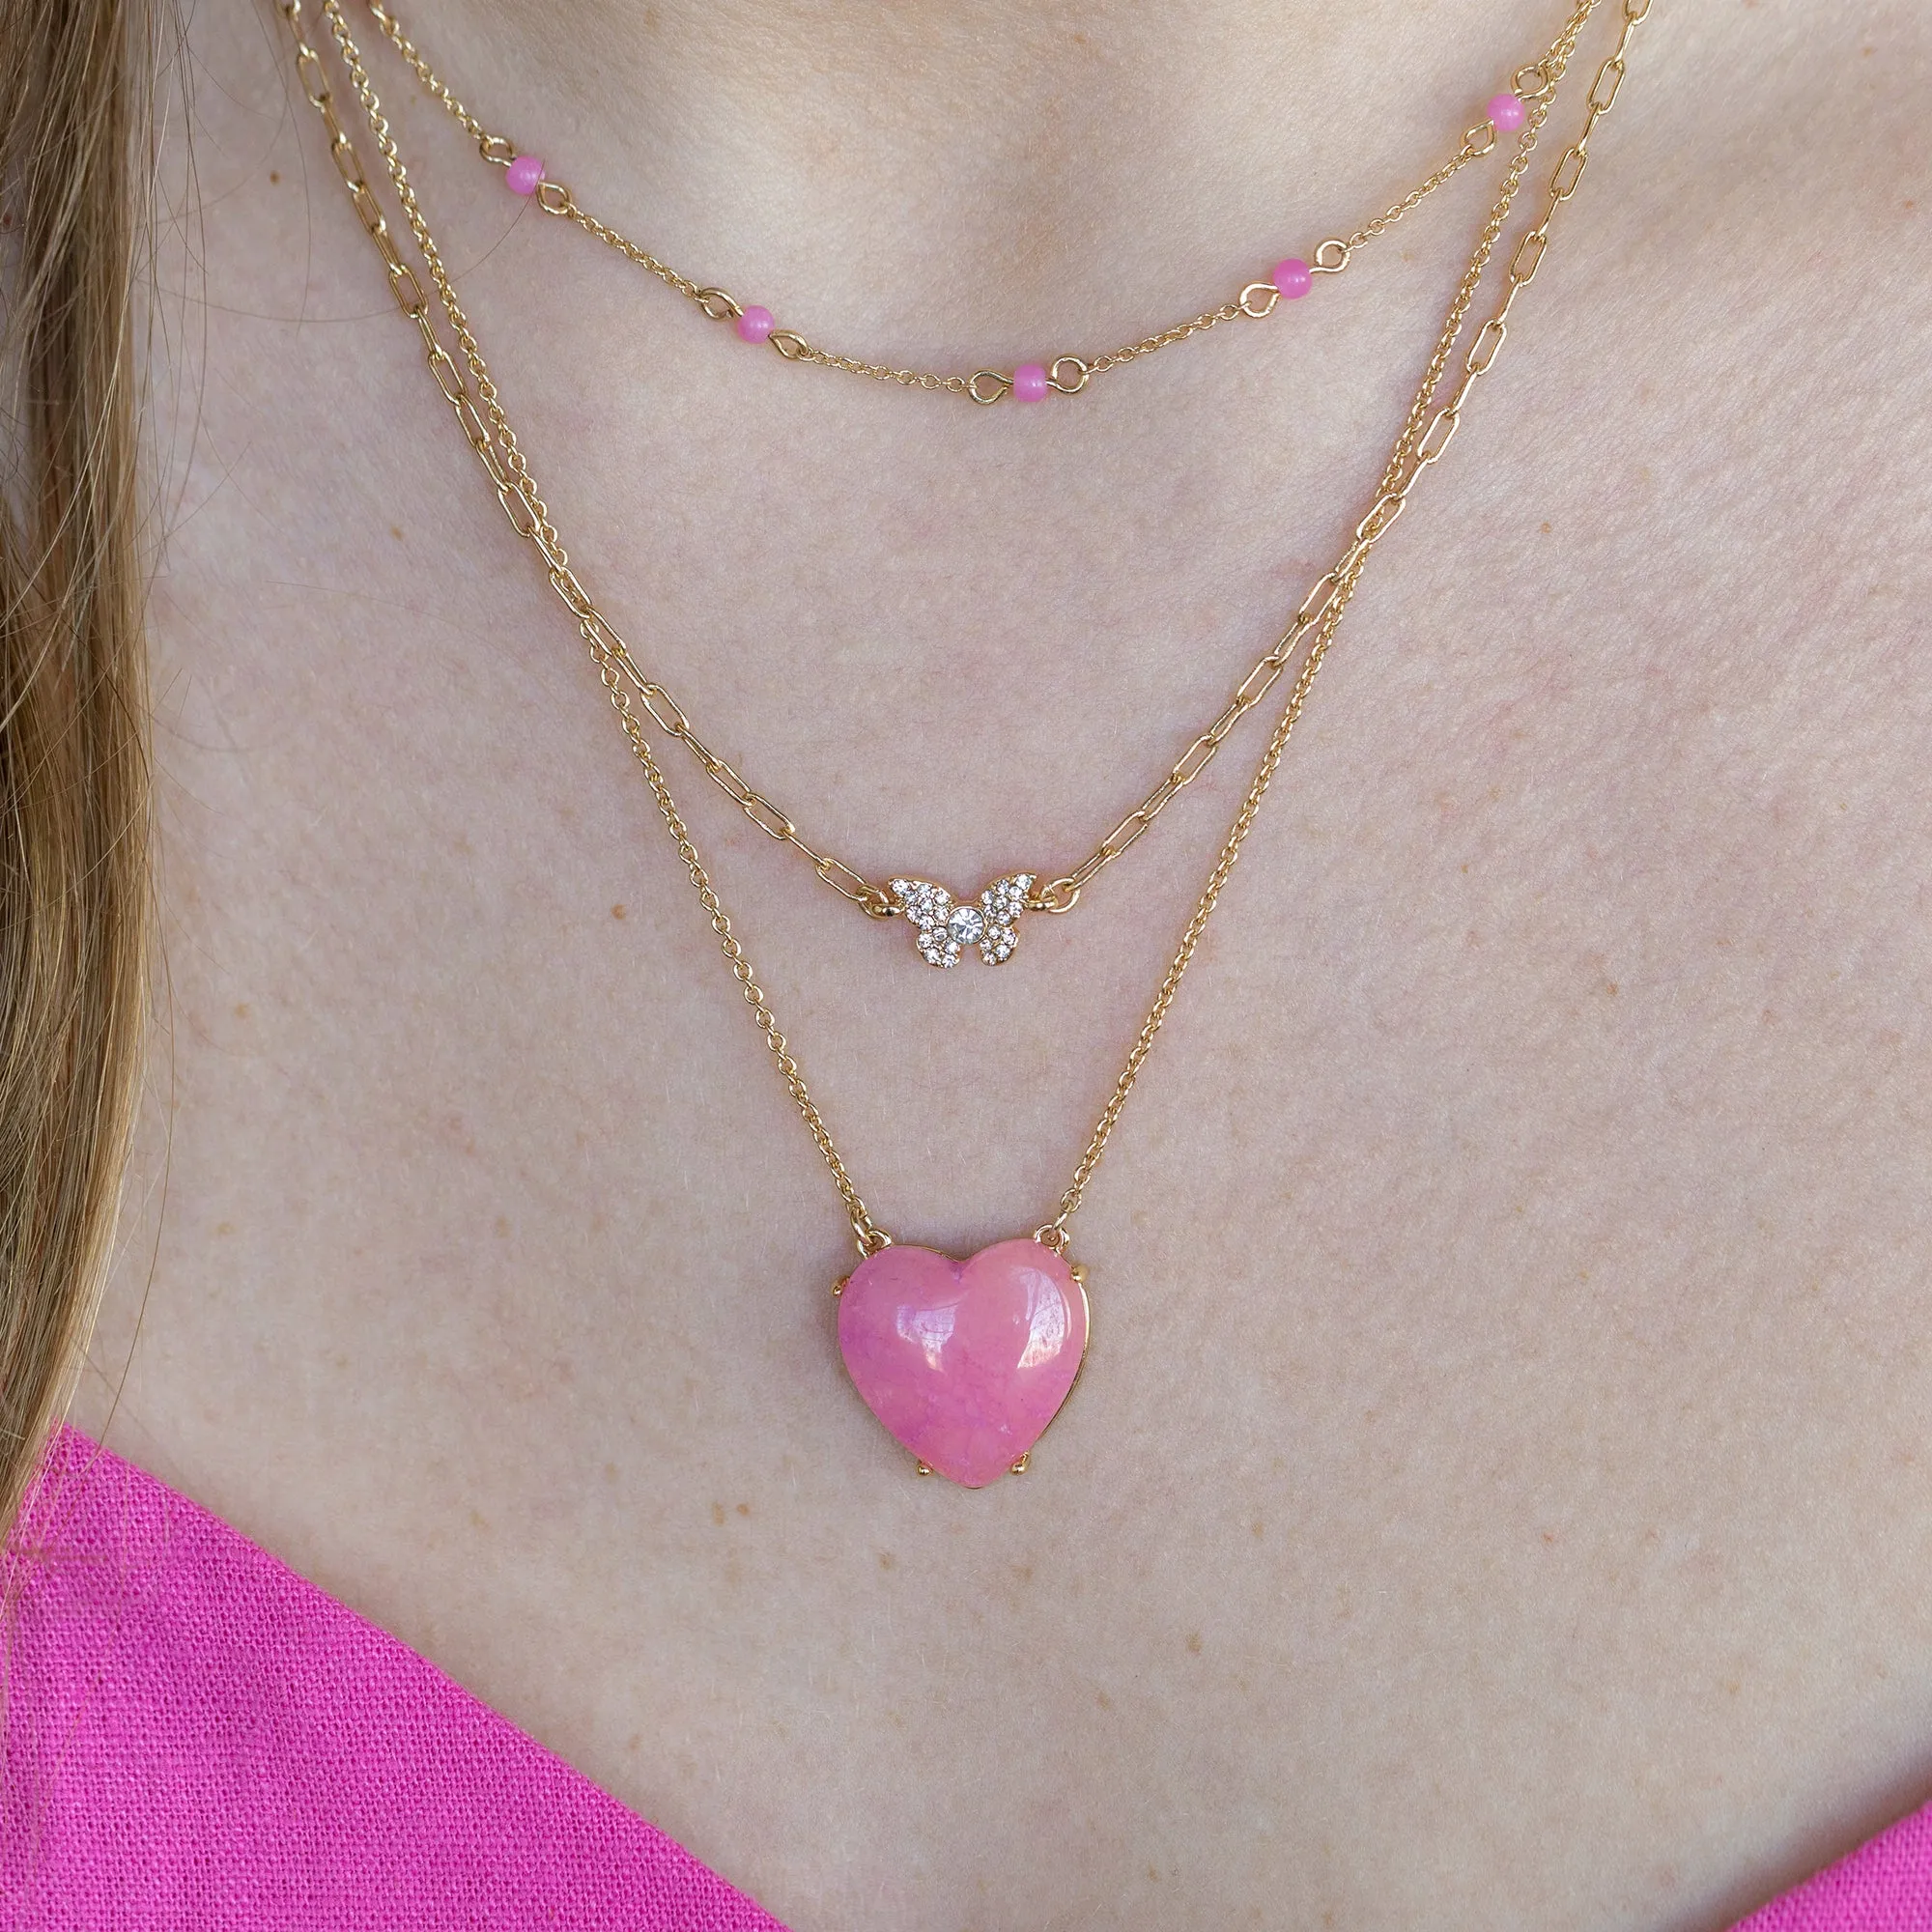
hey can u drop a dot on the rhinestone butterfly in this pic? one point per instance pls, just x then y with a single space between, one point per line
945 926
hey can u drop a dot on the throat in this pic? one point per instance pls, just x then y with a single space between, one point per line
1005 162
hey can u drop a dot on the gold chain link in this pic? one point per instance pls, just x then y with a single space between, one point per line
1426 434
1533 83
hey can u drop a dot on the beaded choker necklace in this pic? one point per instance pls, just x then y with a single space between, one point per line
1031 382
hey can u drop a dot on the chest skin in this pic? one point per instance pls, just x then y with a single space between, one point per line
1497 1491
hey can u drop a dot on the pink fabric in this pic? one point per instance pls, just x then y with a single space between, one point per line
196 1738
1884 1886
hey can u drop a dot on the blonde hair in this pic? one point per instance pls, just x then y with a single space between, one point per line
74 137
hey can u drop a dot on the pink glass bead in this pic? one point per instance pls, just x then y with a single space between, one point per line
1506 113
1291 277
1030 383
525 175
756 324
965 1362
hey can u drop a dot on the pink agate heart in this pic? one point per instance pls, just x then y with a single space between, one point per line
965 1362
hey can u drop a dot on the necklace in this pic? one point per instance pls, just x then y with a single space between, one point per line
1066 375
945 929
964 1363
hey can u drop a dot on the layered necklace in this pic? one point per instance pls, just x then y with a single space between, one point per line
964 1362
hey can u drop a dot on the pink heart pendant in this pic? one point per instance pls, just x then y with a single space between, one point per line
965 1362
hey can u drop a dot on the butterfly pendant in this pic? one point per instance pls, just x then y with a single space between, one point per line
945 926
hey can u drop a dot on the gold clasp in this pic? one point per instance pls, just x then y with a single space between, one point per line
1542 87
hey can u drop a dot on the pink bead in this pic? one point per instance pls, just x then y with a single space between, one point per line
1030 383
525 175
1506 113
965 1362
1291 277
756 324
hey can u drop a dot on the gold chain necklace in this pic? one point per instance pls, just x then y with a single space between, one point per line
946 929
964 1363
1505 113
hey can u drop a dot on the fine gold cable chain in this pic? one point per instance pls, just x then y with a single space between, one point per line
1257 300
1425 437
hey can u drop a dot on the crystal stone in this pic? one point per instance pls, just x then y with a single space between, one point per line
945 927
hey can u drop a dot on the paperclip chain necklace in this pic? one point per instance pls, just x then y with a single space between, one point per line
946 929
964 1363
1030 383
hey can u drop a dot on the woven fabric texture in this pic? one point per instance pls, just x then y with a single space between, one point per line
195 1738
1883 1886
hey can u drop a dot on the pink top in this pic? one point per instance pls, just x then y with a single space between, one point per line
196 1738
